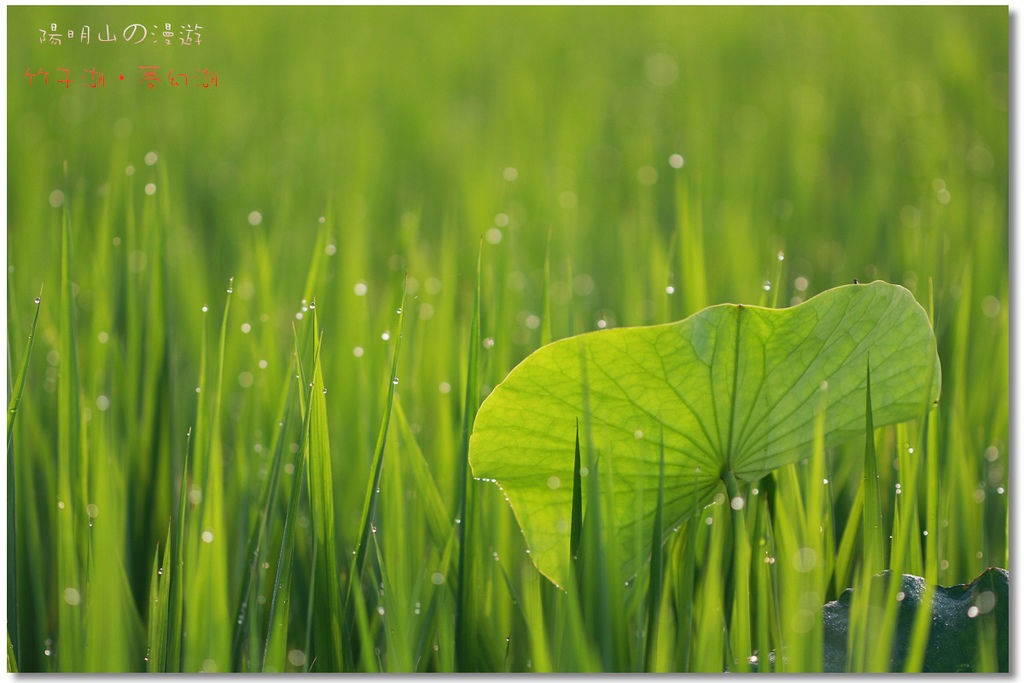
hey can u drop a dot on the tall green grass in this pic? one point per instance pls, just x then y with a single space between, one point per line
183 494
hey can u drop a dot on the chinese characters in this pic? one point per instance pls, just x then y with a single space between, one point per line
186 35
149 76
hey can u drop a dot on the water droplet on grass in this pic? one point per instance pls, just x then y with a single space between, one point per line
72 596
37 299
766 286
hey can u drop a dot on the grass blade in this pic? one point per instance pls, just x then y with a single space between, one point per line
256 536
328 635
463 485
378 452
654 585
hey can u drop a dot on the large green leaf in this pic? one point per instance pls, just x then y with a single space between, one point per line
731 387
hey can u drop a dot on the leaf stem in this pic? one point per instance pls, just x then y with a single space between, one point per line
740 625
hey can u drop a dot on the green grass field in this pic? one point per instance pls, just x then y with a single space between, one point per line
221 458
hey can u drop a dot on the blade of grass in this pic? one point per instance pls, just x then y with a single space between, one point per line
19 383
576 529
70 477
13 473
373 486
254 546
438 523
327 633
469 408
873 552
654 587
740 624
276 646
175 645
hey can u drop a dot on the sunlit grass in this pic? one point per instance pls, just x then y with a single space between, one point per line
174 464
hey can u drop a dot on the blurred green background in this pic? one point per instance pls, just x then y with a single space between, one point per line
861 142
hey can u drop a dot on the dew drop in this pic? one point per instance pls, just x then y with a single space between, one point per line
72 596
782 256
766 285
394 380
37 299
